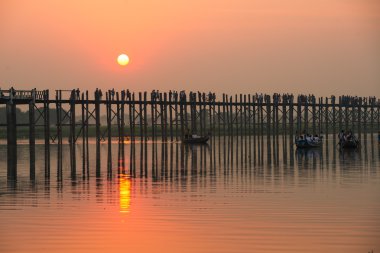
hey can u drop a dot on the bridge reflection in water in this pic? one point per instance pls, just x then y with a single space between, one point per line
228 196
161 160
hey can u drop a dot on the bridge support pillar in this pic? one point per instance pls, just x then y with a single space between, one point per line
11 141
32 141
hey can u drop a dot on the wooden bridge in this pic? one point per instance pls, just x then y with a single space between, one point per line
167 116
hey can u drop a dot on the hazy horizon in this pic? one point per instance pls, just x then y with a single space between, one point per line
319 47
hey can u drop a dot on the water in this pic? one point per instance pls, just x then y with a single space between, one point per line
224 197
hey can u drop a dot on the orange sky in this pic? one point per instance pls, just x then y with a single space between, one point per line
322 47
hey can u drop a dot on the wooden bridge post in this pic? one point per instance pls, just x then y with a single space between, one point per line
375 105
145 117
249 116
109 130
109 117
211 115
273 106
171 94
314 112
32 136
98 95
122 128
285 103
165 117
218 120
204 113
133 117
118 121
340 114
245 125
153 113
59 131
225 118
181 113
117 115
291 117
232 129
306 114
268 109
194 115
192 99
129 97
242 118
162 117
86 131
333 116
141 118
200 113
231 119
268 115
366 115
185 112
83 135
347 104
11 138
244 115
47 133
326 109
254 107
72 137
276 102
261 135
176 114
299 118
354 114
360 116
72 117
236 120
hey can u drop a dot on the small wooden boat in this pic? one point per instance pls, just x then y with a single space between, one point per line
195 139
305 141
348 140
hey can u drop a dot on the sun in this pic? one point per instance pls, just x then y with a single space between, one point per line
123 59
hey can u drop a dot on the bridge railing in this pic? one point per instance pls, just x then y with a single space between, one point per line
22 94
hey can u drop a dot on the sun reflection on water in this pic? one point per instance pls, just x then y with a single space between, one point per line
125 193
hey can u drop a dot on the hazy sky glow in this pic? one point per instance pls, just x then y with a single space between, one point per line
322 47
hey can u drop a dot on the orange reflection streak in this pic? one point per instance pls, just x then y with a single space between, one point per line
125 193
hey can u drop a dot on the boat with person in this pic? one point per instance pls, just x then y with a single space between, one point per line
308 141
195 139
347 140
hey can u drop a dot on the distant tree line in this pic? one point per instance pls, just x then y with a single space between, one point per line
22 117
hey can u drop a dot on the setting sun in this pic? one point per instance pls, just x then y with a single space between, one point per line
123 59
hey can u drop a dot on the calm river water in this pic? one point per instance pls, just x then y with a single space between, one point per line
223 197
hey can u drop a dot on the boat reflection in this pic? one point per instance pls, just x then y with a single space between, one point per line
308 154
349 154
